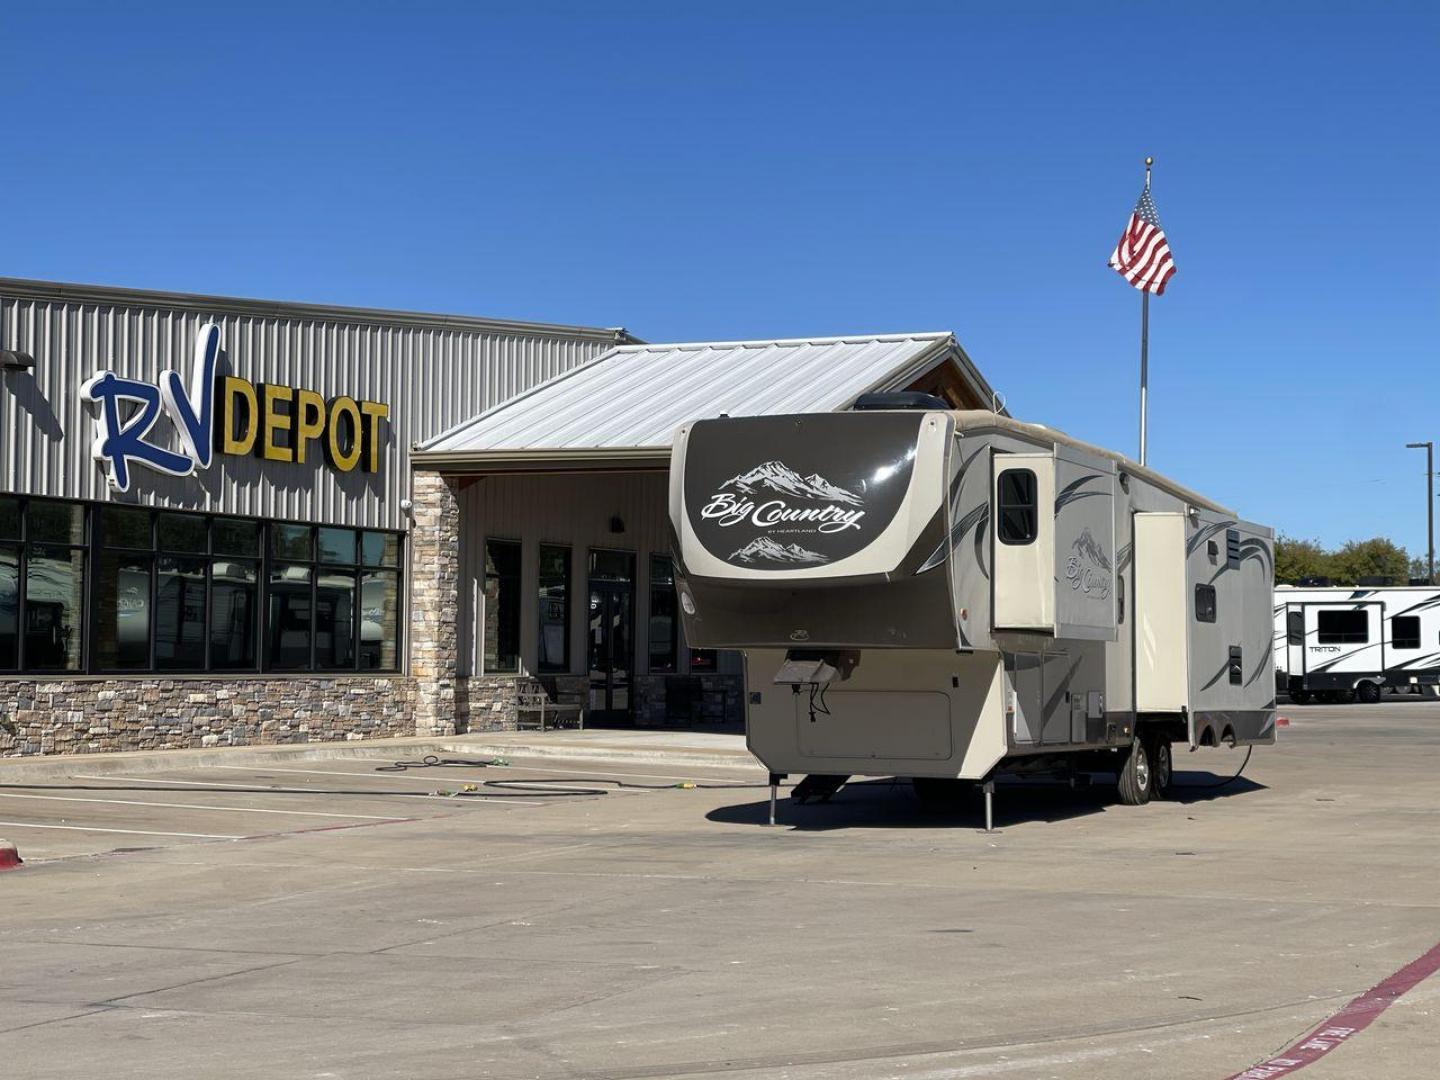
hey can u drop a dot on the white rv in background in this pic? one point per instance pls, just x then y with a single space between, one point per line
1340 643
946 595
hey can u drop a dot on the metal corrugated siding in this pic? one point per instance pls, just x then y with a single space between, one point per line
637 395
431 376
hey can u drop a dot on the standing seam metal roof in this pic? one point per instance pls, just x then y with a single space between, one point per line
637 395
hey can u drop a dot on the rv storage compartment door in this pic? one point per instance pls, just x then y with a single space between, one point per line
1023 541
1084 545
1161 614
893 725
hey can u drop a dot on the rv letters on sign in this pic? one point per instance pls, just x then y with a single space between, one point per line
275 422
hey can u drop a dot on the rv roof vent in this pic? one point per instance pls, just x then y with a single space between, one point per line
899 399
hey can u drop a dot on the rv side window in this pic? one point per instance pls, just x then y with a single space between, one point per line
1016 510
1295 628
1342 627
1405 632
1204 603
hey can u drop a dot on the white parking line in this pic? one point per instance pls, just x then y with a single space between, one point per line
196 806
300 790
127 832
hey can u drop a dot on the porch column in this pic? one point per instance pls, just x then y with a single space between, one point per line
435 601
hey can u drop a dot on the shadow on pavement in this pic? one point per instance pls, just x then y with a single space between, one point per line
892 804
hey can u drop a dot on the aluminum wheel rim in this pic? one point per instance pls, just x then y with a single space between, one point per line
1162 767
1142 766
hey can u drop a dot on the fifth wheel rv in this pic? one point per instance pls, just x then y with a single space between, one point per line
948 595
1341 643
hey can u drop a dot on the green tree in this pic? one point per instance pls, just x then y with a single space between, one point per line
1376 557
1420 568
1296 559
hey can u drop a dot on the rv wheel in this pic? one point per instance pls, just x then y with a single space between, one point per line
1135 777
1368 692
1161 766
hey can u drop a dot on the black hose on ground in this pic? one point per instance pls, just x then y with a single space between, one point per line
1219 783
565 787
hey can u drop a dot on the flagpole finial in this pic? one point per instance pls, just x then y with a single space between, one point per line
1149 161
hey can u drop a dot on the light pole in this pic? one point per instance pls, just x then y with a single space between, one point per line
1429 498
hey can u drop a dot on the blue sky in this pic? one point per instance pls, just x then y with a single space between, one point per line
745 170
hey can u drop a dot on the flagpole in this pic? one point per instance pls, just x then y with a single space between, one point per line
1144 341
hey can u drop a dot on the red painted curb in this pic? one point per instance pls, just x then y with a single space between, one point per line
9 857
1338 1029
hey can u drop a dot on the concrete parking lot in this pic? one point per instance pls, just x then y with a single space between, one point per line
302 918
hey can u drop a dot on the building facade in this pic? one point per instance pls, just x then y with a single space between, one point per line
206 509
230 521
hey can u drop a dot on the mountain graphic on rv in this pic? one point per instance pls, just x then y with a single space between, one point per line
777 476
762 547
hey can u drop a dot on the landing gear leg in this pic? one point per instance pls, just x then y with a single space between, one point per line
775 778
989 789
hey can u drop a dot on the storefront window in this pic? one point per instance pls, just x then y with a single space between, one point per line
379 620
234 612
55 522
289 627
292 542
180 613
380 549
188 592
502 606
122 639
663 613
554 647
231 537
54 600
337 546
9 606
52 568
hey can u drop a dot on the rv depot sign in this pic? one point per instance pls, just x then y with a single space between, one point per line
229 415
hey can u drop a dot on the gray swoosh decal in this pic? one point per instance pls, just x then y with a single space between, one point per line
1216 677
1261 665
961 527
1071 491
980 528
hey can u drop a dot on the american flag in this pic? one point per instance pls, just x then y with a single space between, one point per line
1142 256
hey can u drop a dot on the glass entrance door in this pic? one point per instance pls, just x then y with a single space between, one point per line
611 636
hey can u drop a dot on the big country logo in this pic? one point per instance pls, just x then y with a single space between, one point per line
1087 568
823 507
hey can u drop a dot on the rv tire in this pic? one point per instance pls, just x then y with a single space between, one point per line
1161 765
1135 776
1368 692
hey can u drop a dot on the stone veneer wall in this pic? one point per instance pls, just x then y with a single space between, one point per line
78 716
435 603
